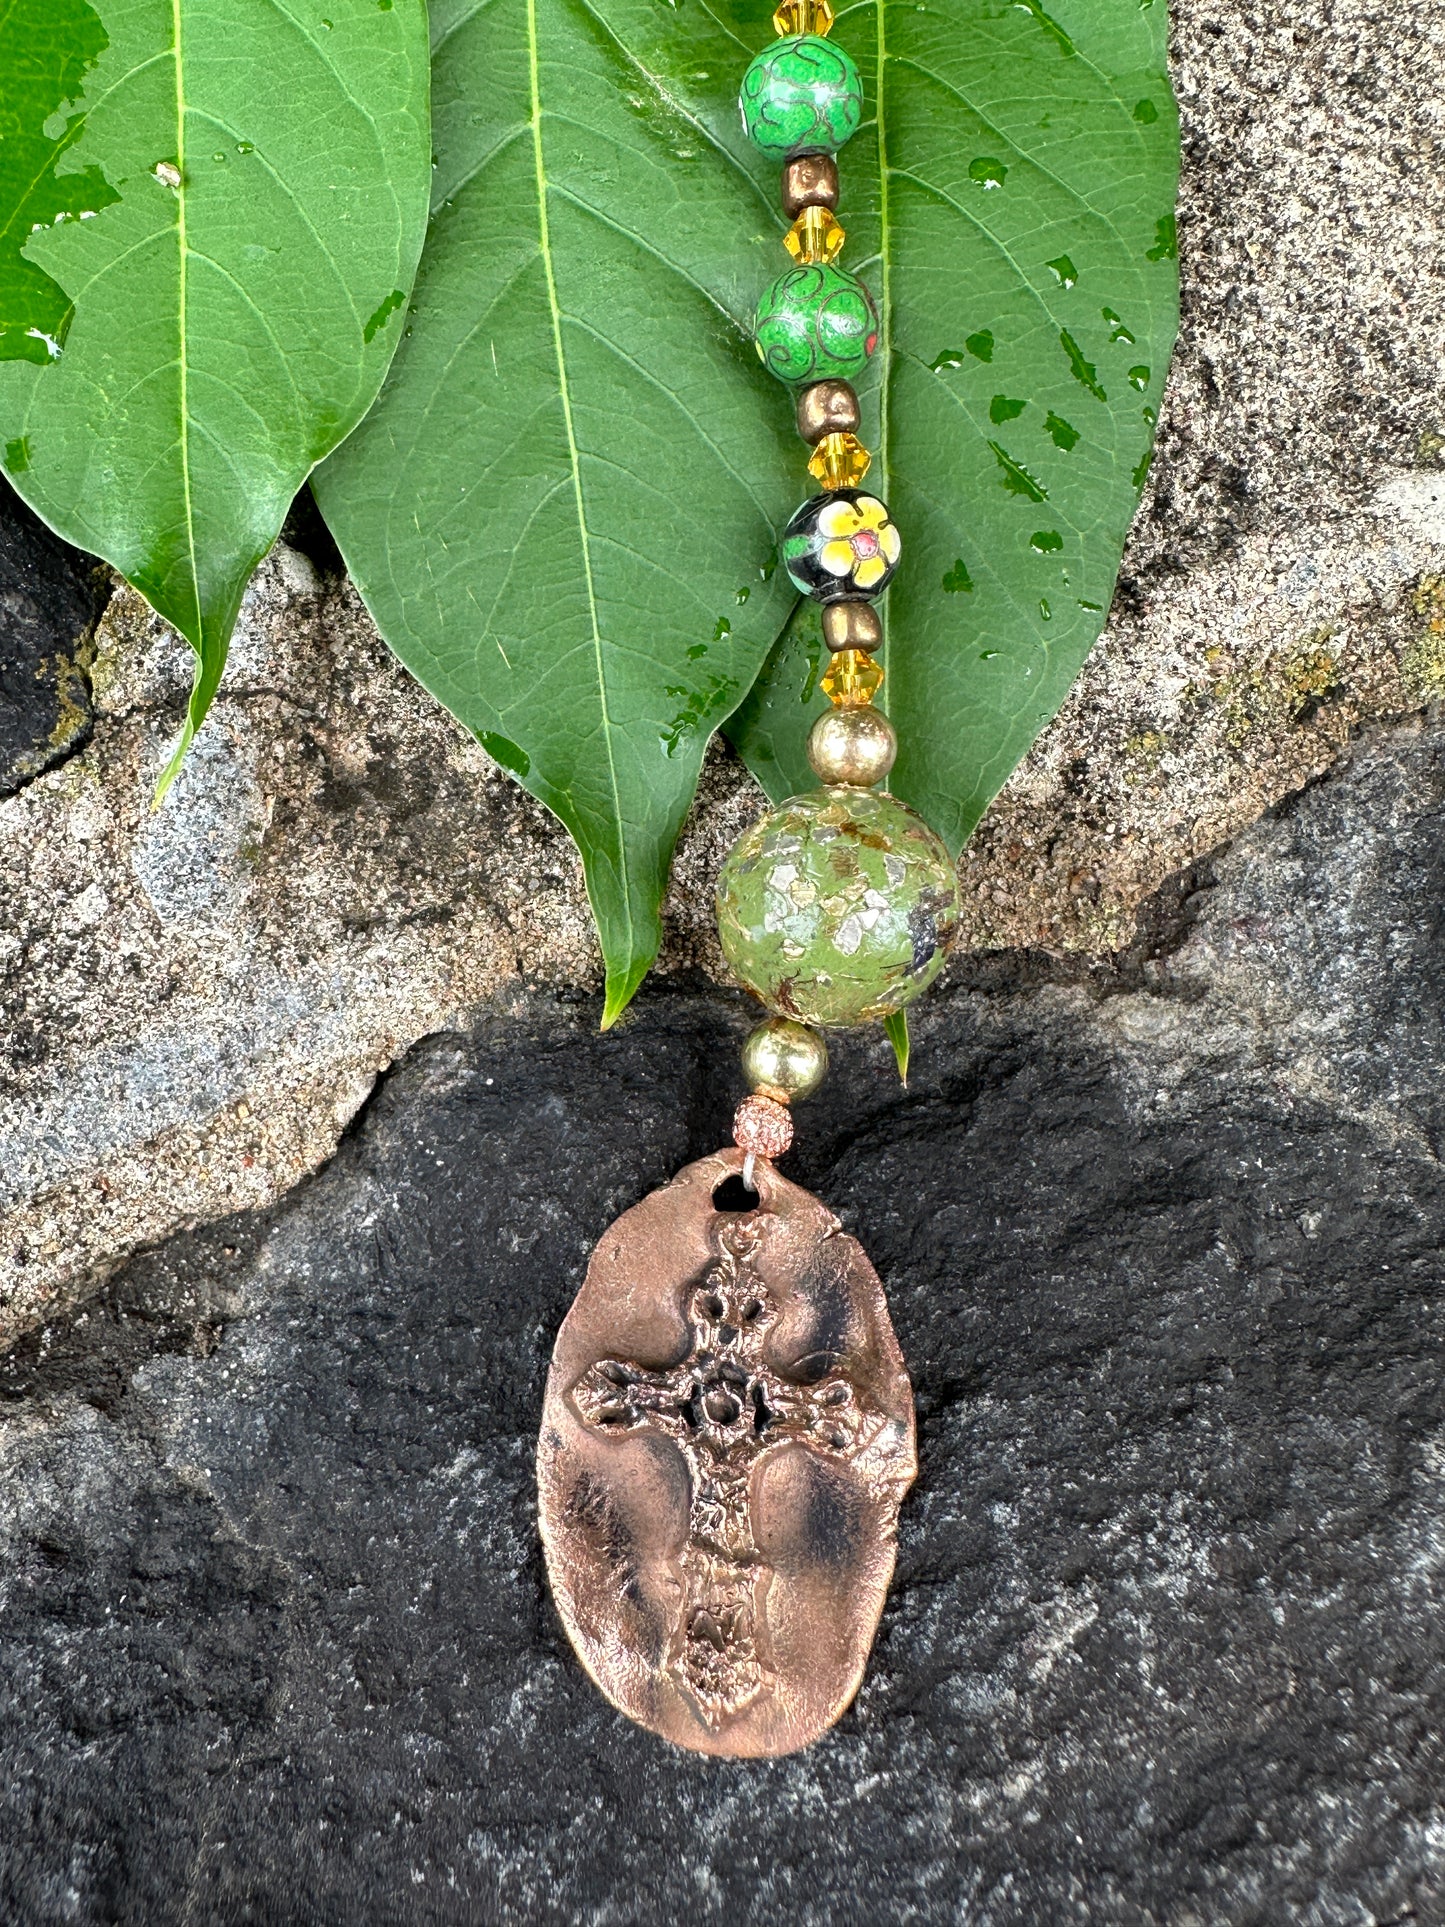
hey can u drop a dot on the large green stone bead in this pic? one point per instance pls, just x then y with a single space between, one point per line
801 95
837 907
816 323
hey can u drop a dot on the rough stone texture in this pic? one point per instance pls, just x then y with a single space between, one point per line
195 1002
1162 1243
50 597
195 999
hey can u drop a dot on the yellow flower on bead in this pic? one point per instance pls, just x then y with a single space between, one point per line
861 541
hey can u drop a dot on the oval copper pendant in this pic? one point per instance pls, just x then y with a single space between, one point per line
727 1436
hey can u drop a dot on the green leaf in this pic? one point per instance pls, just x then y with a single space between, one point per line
234 197
896 1027
46 47
562 512
1018 208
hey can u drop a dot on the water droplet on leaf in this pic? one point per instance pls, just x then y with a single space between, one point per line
1166 240
1016 478
1083 371
503 750
1119 331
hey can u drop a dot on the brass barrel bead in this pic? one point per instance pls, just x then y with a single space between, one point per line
827 408
810 181
851 625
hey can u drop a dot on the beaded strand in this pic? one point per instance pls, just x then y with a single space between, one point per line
838 907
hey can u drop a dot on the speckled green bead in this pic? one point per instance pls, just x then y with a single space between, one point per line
802 95
838 907
816 323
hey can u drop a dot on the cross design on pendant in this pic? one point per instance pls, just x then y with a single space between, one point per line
726 1410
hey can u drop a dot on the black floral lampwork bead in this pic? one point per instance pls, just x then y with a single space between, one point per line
841 544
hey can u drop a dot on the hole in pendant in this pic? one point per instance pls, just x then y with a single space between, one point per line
733 1195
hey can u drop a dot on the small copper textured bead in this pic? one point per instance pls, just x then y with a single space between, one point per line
810 181
827 408
851 625
762 1127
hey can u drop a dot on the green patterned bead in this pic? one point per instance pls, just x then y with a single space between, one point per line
816 323
838 906
801 95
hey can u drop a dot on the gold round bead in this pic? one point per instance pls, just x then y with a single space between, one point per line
827 408
783 1060
852 745
851 625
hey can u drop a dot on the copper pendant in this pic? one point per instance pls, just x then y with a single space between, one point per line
727 1436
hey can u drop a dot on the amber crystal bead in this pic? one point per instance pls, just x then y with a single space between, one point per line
815 236
852 678
803 16
851 625
810 181
839 461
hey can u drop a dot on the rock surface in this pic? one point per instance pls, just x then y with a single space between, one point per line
50 597
1162 1243
193 1003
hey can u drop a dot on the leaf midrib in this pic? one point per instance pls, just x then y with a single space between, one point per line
544 238
183 329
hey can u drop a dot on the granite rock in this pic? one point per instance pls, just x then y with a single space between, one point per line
1162 1243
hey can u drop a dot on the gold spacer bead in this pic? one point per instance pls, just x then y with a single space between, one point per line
803 16
810 181
827 408
851 679
783 1060
851 625
815 237
839 461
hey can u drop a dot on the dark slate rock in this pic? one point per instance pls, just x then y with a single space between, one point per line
1162 1245
50 597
